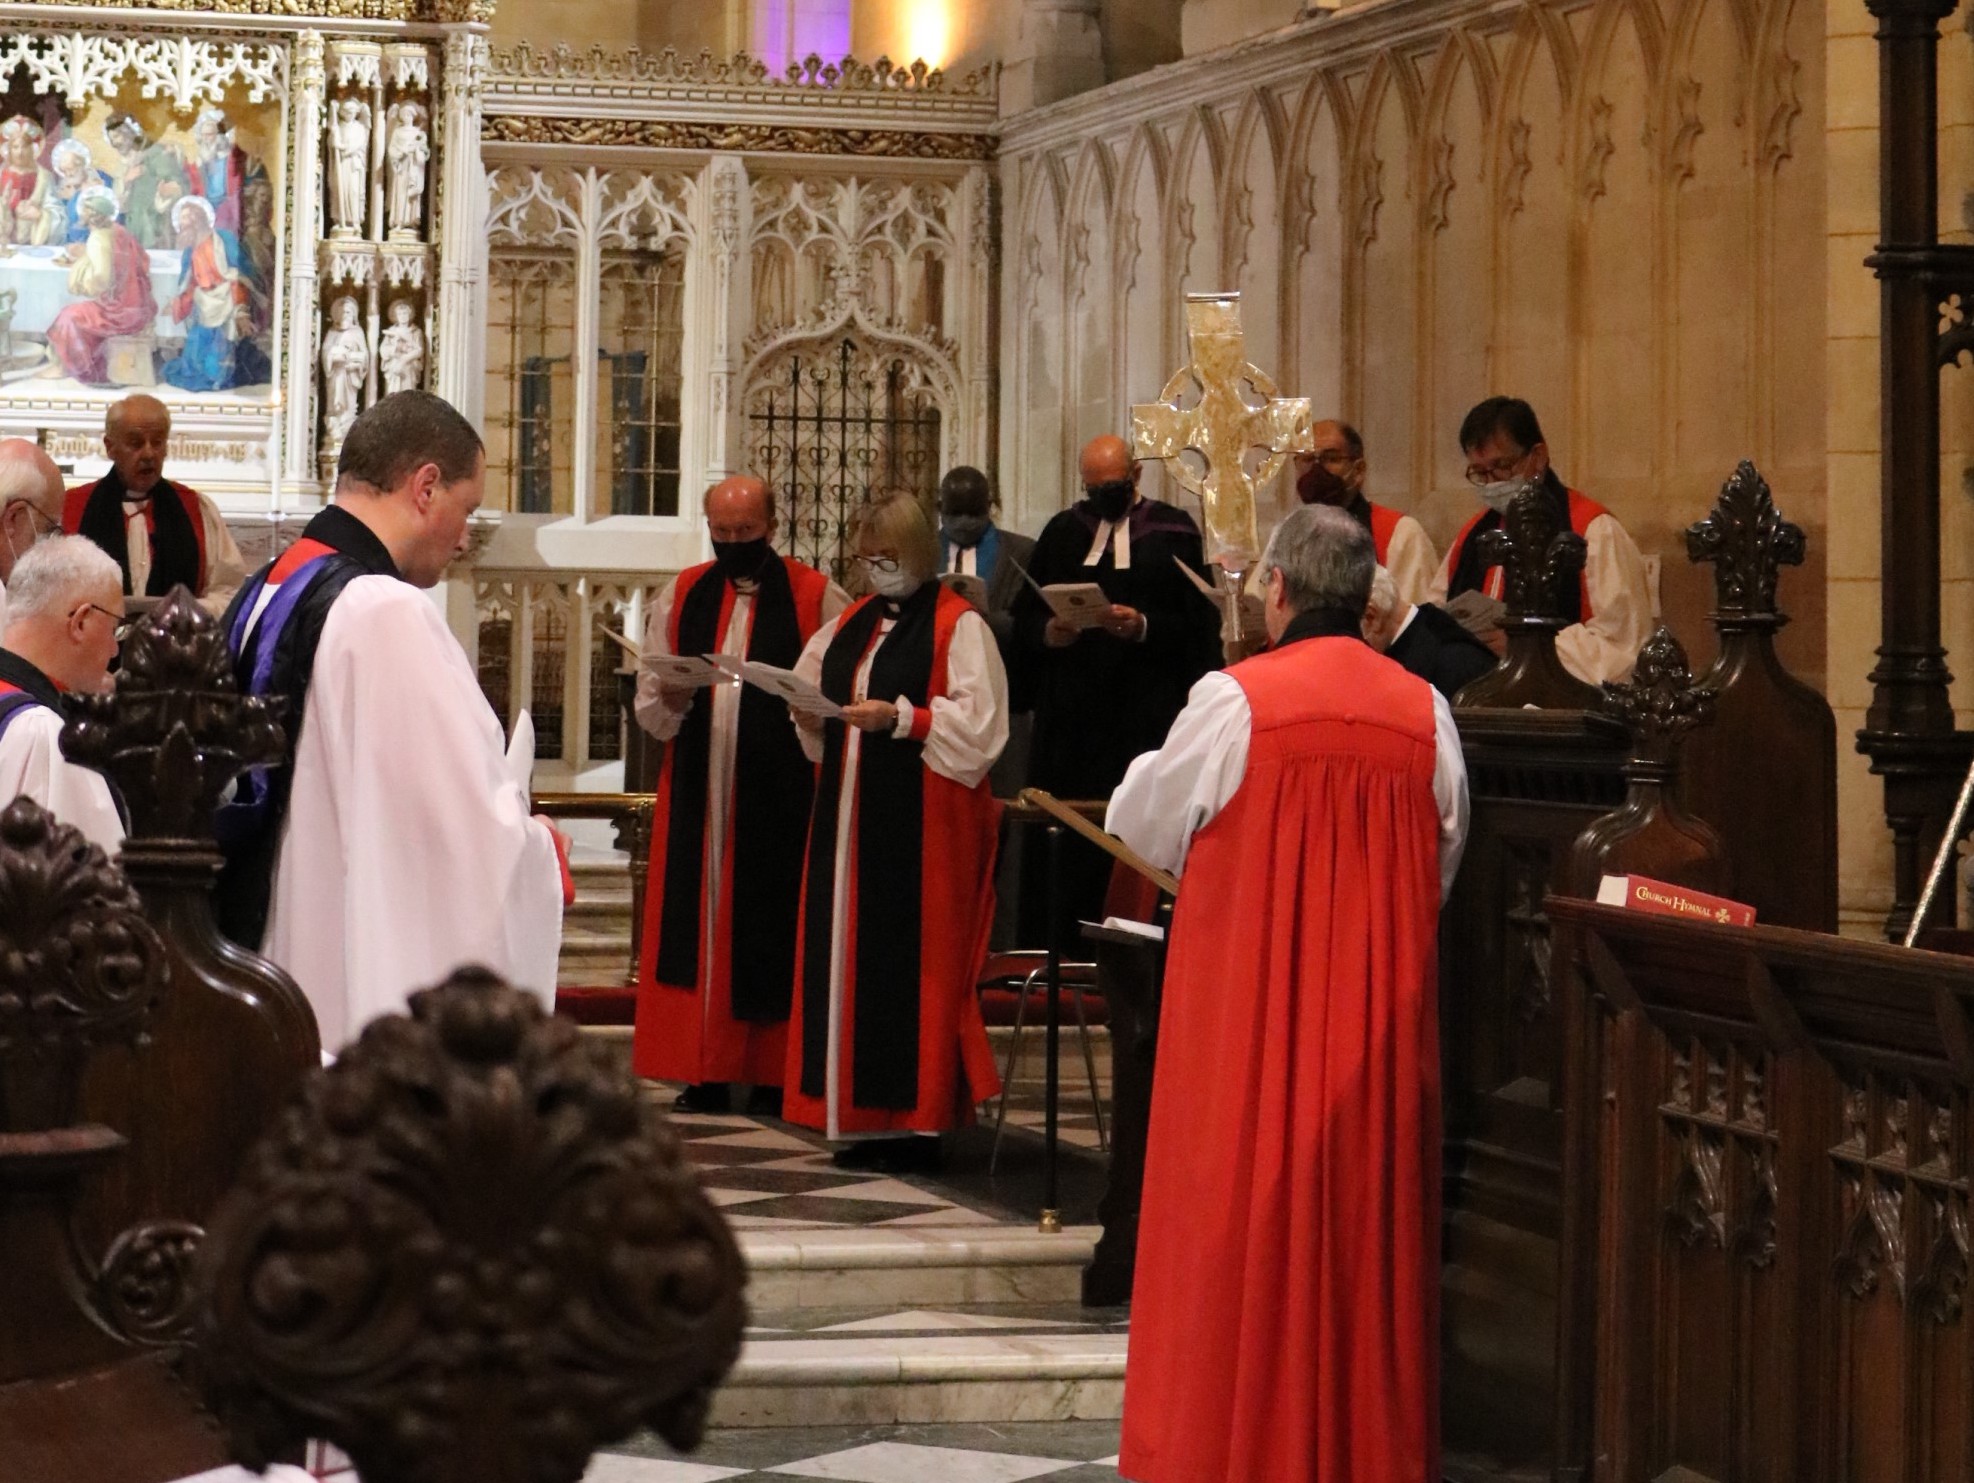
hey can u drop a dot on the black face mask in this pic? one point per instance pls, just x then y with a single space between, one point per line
1317 485
1111 499
741 561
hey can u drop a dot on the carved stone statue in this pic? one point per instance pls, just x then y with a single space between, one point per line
401 351
345 368
406 154
349 172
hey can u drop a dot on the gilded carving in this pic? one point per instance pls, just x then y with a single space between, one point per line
634 133
428 12
563 63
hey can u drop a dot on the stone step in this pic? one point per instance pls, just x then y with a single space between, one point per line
834 1267
981 1355
944 1377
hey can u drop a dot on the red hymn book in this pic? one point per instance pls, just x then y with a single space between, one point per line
1642 893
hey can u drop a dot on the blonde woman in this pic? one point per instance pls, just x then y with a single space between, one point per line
885 1040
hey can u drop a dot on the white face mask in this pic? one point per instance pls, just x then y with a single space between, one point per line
897 585
1500 494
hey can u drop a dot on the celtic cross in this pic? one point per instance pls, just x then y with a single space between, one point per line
1221 428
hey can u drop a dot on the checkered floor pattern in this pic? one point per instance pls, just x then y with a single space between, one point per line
767 1176
1064 1452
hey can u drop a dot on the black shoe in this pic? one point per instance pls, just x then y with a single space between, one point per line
704 1096
764 1102
891 1156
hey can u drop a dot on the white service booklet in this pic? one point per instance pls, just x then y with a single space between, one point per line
791 687
1080 604
1477 612
521 751
684 671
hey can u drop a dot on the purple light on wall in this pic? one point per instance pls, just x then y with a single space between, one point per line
787 31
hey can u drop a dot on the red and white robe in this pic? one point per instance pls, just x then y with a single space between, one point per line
717 958
885 1034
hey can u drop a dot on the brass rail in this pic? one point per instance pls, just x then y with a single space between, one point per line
631 813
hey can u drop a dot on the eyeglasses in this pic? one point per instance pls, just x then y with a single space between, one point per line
44 526
1332 458
1479 474
124 626
879 563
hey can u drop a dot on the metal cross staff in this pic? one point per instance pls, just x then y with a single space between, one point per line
1219 430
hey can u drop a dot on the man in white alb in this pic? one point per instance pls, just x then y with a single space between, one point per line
404 843
65 619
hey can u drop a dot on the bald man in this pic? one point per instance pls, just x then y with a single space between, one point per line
30 505
161 534
717 960
1333 473
1103 695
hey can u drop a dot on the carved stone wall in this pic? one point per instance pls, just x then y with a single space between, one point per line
1613 210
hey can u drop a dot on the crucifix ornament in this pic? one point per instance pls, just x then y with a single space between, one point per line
1219 430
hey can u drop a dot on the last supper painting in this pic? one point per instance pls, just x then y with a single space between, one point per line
138 243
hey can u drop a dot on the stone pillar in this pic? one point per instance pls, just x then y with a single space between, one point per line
298 430
1057 51
976 322
460 224
723 314
589 285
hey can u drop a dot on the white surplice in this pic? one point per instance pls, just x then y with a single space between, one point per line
663 722
226 568
1606 647
31 763
1411 560
408 850
969 728
1169 795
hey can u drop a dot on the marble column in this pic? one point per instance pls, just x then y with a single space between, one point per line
305 122
461 218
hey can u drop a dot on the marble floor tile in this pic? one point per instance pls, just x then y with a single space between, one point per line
609 1468
903 1462
890 1191
947 1215
726 1198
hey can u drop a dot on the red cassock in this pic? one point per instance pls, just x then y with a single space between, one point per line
1285 1320
909 1046
714 1006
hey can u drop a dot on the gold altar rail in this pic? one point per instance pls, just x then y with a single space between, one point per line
631 814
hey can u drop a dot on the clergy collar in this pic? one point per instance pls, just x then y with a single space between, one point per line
337 527
126 494
1322 623
17 672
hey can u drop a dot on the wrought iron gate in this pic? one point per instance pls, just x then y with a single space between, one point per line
829 426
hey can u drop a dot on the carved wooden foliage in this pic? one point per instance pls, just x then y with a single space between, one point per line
177 730
1748 542
80 966
471 1250
1539 556
1661 703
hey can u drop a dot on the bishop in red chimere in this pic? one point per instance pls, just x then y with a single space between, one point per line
1285 1319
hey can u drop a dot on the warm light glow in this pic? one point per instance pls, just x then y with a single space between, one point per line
928 31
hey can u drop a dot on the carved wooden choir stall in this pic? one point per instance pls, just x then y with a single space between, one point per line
469 1250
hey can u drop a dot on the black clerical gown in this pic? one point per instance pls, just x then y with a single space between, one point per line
1439 651
1103 700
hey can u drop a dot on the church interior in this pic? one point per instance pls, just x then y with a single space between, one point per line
1705 1187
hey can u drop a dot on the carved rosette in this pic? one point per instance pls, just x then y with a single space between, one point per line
1539 556
144 1289
1661 703
176 731
472 1248
1748 542
80 966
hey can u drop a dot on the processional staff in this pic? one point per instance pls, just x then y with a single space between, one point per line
1239 410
